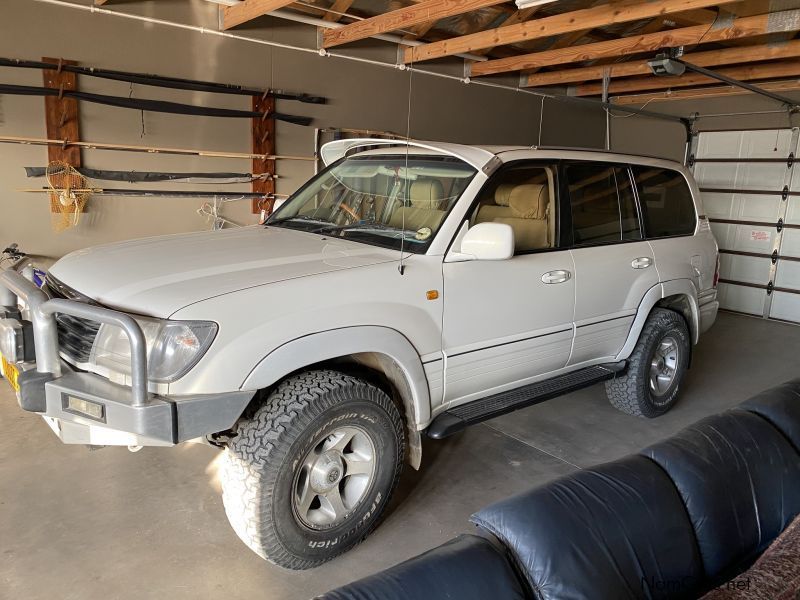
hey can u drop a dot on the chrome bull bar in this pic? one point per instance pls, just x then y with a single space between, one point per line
14 287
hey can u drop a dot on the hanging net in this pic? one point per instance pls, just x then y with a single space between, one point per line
68 194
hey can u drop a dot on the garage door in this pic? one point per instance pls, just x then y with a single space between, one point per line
751 191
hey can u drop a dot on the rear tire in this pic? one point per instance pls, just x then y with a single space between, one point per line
656 367
309 474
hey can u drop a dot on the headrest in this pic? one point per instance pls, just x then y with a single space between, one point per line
427 193
529 201
503 193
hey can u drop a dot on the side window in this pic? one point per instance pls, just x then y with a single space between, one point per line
603 204
666 200
522 196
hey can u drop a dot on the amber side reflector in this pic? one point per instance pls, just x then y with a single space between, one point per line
432 294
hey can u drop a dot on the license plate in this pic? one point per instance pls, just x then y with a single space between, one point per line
10 372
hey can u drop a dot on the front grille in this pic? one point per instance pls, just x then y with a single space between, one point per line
75 335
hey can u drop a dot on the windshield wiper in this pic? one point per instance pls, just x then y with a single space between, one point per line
336 228
297 218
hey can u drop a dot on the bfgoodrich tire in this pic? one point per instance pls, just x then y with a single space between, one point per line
656 367
309 473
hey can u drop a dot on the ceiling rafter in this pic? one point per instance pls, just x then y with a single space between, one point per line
774 70
624 11
247 10
403 18
709 92
709 58
334 13
736 29
512 19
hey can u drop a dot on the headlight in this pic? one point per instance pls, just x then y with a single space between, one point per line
173 347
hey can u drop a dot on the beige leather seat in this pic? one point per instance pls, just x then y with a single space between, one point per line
525 208
427 198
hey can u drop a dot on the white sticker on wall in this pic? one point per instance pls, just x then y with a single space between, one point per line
759 235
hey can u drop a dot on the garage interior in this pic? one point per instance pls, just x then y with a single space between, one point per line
107 523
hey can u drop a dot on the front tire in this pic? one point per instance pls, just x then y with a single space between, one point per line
656 367
309 474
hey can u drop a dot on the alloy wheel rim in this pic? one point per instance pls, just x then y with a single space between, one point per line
664 366
334 477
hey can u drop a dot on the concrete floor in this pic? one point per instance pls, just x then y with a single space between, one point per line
109 524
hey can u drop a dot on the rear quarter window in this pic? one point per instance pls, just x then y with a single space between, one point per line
666 201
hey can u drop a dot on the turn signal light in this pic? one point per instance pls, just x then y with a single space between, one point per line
432 294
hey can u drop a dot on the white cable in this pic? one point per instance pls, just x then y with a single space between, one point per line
244 38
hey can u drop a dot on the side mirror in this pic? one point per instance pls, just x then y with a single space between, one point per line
488 241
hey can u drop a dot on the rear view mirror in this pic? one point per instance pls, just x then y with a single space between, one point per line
489 241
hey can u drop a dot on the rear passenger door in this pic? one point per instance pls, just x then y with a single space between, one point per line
614 265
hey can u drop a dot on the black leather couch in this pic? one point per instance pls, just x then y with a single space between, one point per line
672 521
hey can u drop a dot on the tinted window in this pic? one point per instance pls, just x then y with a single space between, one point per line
667 205
603 204
522 196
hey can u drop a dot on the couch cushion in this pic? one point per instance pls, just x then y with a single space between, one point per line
618 530
467 568
781 407
740 481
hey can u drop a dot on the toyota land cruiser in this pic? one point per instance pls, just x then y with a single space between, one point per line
407 290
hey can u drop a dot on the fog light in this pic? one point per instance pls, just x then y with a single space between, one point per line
81 406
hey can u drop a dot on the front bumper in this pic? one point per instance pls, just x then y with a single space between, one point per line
120 415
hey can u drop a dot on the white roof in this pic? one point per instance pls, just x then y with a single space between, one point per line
484 157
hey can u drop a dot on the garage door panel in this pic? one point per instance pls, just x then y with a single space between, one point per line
739 144
793 211
722 206
753 238
724 234
753 176
790 245
716 175
767 143
743 207
747 269
760 176
785 306
722 144
742 299
788 275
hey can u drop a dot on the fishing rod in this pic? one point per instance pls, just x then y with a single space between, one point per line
156 176
162 81
161 106
29 141
153 193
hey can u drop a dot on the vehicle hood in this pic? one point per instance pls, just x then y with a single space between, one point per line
160 275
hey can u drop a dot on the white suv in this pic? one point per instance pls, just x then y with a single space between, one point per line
406 290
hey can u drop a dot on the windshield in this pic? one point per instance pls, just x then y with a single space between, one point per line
388 201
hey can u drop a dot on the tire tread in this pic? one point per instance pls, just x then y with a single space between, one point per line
263 441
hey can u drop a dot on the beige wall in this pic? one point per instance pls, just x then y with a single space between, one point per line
649 136
361 96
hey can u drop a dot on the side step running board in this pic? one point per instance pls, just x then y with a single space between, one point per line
464 415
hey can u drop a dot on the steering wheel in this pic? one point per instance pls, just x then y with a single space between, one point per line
353 214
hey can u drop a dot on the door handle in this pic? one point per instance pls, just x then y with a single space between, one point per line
558 276
642 262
